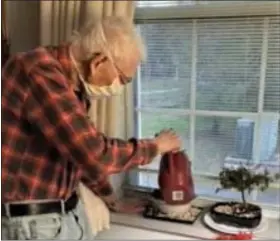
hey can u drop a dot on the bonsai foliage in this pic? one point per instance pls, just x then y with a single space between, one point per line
245 180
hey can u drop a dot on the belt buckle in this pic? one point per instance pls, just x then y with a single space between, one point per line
7 209
62 206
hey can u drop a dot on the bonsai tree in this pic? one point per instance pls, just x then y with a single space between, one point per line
245 180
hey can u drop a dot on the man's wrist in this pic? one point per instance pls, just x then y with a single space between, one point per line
111 201
156 145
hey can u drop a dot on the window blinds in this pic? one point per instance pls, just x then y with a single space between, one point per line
272 70
163 3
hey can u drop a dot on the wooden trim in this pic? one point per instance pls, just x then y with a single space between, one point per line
217 9
5 54
4 27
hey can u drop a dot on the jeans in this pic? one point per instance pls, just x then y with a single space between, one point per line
73 225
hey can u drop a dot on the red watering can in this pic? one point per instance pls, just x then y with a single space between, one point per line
175 178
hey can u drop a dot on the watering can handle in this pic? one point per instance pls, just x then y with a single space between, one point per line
171 163
170 159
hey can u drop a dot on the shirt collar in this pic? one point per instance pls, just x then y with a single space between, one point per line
61 54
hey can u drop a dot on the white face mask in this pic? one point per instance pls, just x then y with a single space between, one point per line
93 91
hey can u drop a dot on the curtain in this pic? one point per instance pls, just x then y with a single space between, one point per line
58 20
112 116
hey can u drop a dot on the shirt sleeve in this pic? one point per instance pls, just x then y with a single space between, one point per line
53 107
101 188
105 191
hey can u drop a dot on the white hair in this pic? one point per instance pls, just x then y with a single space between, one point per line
113 36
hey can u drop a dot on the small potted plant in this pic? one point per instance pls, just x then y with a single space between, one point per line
241 214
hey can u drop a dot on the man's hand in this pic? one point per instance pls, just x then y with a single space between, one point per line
167 140
124 206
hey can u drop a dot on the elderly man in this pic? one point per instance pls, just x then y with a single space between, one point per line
48 142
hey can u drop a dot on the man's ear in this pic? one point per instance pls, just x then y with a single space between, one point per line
102 71
97 60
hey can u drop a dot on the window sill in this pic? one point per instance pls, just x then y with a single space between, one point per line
196 231
270 212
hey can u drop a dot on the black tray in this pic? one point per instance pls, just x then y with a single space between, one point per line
154 213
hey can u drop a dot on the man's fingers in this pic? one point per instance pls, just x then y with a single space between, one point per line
135 209
168 140
131 208
169 132
175 150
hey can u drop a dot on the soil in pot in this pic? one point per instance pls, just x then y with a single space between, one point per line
236 214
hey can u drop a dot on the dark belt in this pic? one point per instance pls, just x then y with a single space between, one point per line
25 209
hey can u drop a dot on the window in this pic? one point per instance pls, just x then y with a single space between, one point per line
216 81
163 3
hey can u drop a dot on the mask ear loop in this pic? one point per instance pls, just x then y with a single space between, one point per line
108 55
76 65
106 45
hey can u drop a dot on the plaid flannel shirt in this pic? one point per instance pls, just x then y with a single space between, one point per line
48 143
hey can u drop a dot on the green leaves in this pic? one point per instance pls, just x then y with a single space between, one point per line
277 176
243 179
218 189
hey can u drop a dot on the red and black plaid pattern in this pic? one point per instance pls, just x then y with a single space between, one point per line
48 142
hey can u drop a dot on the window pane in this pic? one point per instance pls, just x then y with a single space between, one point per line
164 3
165 76
152 123
228 64
203 186
269 135
207 187
147 3
227 58
272 84
143 179
220 140
270 196
269 153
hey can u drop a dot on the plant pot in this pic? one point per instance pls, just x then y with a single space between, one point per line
234 214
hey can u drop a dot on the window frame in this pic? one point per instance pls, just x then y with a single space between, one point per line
245 9
214 9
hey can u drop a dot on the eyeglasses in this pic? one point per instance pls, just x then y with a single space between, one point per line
123 78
